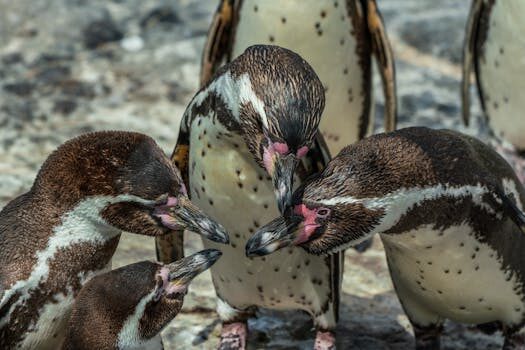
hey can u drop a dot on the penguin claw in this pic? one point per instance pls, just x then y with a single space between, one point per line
233 336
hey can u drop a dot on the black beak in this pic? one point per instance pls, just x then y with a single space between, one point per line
184 270
282 178
275 235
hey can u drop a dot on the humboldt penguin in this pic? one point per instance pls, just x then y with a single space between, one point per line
243 139
338 38
449 211
128 307
65 229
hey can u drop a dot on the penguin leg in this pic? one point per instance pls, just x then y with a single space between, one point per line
514 339
325 324
426 324
234 325
428 337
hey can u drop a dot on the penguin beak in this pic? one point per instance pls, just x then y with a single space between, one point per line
282 178
180 213
183 271
277 234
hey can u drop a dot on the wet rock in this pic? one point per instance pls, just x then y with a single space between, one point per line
77 88
64 107
101 32
12 58
53 75
164 16
22 88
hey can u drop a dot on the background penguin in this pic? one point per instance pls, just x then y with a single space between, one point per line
241 139
66 228
338 38
493 49
449 212
127 307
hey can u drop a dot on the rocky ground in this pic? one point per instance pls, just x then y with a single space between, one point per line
73 66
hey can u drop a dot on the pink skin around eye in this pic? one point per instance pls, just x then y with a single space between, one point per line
168 288
301 152
309 224
281 148
183 190
162 212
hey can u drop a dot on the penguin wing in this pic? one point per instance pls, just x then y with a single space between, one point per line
469 48
385 61
170 247
219 39
511 210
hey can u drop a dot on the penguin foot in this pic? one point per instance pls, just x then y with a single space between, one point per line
324 340
428 338
233 336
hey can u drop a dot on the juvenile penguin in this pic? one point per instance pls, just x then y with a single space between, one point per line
127 307
449 211
66 228
338 38
493 49
241 139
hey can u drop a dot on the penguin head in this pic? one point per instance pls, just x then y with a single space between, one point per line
127 181
275 99
130 305
329 212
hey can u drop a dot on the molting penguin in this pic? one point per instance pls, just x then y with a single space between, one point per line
241 140
127 307
450 214
66 228
493 49
338 38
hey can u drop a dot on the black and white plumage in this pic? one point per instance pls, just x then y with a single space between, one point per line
128 307
493 50
338 38
243 138
449 211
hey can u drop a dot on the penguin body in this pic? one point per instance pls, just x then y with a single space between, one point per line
450 214
337 38
65 229
492 50
128 307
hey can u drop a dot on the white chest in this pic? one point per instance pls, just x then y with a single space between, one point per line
452 275
324 36
502 63
227 184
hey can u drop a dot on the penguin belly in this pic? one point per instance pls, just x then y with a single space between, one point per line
233 189
450 274
325 37
501 64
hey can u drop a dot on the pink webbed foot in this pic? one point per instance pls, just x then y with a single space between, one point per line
233 336
324 340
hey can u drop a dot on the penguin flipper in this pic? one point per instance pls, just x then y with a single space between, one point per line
511 209
385 62
170 247
218 40
469 49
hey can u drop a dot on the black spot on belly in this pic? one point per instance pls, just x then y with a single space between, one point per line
440 292
208 145
429 262
307 262
462 244
462 308
501 51
428 247
283 20
261 177
342 41
495 105
236 145
317 25
251 230
291 295
323 14
237 235
240 184
480 300
459 272
276 269
203 189
256 224
203 177
255 189
265 206
294 277
260 289
234 245
319 32
271 38
210 201
336 4
203 153
345 71
239 279
255 8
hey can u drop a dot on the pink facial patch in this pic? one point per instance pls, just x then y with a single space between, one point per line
183 190
281 148
301 152
268 155
162 212
309 224
167 287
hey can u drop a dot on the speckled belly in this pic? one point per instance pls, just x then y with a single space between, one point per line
501 69
227 184
321 33
449 274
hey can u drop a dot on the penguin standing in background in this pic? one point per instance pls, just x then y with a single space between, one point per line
243 139
449 211
126 308
493 49
338 38
65 229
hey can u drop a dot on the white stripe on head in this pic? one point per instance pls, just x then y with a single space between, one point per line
81 224
129 335
398 203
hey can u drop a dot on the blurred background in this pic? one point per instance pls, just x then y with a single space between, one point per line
72 66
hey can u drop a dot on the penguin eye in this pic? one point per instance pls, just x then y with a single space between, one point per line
323 212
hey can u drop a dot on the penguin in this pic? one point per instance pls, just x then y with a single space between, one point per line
449 211
127 307
243 138
338 38
65 229
493 49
